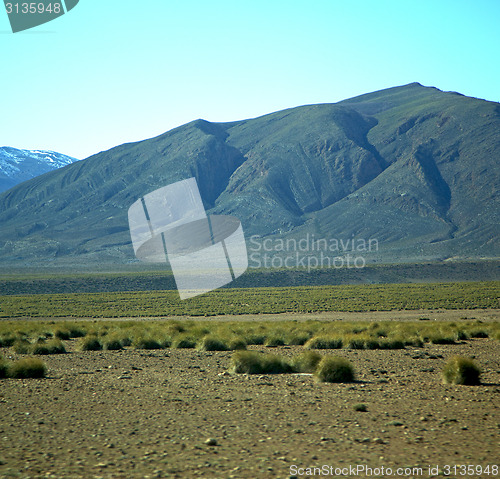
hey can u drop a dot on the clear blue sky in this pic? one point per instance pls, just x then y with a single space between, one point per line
116 71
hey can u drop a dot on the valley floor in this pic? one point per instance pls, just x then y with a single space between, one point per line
138 414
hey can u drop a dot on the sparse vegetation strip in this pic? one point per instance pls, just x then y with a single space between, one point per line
42 337
303 299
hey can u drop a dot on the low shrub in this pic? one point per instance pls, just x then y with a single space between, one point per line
306 362
7 340
372 343
4 367
236 344
381 333
175 328
76 332
252 362
391 343
146 342
461 335
112 343
297 338
166 342
211 343
183 342
335 369
89 343
53 346
478 333
126 341
274 341
415 341
354 342
198 331
323 342
442 338
21 346
461 370
62 334
255 338
27 368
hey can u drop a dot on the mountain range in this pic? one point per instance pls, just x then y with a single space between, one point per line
412 167
17 165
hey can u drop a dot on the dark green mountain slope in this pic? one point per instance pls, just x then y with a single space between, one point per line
412 166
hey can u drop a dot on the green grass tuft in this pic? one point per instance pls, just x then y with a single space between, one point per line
112 344
7 340
306 362
237 343
27 368
478 333
76 332
89 343
274 341
146 342
4 368
391 343
62 333
256 339
335 369
183 341
354 342
252 362
442 338
297 338
323 342
211 343
53 346
461 335
21 346
461 370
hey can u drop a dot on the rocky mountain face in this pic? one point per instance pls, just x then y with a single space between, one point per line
413 167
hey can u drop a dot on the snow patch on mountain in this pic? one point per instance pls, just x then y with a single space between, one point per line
18 165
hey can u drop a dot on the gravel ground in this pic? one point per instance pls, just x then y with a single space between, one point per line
180 414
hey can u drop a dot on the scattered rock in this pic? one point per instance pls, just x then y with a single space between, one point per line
211 442
394 423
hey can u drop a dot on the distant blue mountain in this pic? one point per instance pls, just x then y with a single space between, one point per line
17 166
413 167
